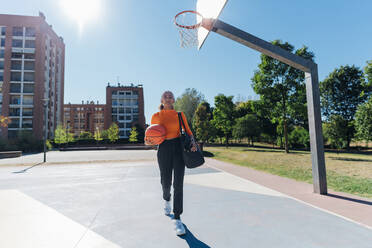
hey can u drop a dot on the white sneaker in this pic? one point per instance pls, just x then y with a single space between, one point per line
179 227
167 207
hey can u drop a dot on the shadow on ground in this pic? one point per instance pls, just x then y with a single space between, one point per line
192 241
351 159
350 199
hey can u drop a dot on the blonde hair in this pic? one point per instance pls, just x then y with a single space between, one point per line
161 106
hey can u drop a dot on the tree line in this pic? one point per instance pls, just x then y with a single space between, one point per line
280 115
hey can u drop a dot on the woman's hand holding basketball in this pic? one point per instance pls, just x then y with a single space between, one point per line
148 142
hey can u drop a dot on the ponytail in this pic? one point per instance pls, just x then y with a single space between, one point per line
161 106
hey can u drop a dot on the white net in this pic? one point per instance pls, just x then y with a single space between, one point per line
188 25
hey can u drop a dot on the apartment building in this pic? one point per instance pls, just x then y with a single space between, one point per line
84 117
124 106
32 58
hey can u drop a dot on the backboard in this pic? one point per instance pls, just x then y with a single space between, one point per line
208 9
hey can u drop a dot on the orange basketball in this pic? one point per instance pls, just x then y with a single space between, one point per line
155 134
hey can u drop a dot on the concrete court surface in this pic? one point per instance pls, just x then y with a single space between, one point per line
118 204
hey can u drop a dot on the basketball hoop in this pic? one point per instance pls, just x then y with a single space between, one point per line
188 22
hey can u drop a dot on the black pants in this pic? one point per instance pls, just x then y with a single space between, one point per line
170 159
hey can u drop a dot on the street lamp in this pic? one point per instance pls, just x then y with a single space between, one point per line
45 104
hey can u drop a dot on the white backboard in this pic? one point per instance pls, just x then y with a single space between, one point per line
208 9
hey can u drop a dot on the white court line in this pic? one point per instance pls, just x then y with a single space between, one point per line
303 202
26 221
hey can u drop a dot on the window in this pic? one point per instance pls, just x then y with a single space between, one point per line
16 55
30 32
17 31
121 110
14 123
121 125
128 110
135 110
29 44
29 77
128 125
128 117
28 100
121 133
29 65
2 42
127 102
135 117
2 30
28 88
29 56
135 92
14 111
1 76
27 123
114 118
114 110
27 112
1 64
15 100
16 65
17 43
15 88
128 93
2 53
114 102
15 76
121 118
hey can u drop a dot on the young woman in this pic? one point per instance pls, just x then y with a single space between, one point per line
170 158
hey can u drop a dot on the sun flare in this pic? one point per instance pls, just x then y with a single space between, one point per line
82 11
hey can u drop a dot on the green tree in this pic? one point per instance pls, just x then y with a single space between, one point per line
299 137
368 72
85 135
98 135
244 108
133 135
188 102
224 116
70 137
335 130
113 133
60 136
282 87
267 126
202 122
363 121
341 93
247 126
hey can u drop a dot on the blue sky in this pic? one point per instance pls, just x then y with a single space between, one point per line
136 41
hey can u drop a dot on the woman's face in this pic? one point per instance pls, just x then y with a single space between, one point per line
167 99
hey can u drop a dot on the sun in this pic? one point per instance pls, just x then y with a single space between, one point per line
82 11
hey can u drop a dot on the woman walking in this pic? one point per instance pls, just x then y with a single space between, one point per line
170 158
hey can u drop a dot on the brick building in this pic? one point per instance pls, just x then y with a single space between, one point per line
32 58
125 106
84 117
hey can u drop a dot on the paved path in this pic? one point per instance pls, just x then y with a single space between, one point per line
118 204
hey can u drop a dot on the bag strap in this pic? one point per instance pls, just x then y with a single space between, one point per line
179 121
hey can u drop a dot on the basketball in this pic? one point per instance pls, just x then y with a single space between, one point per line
155 134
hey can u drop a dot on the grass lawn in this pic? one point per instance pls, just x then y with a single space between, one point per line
346 172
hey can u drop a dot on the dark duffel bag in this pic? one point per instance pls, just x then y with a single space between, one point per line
190 158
